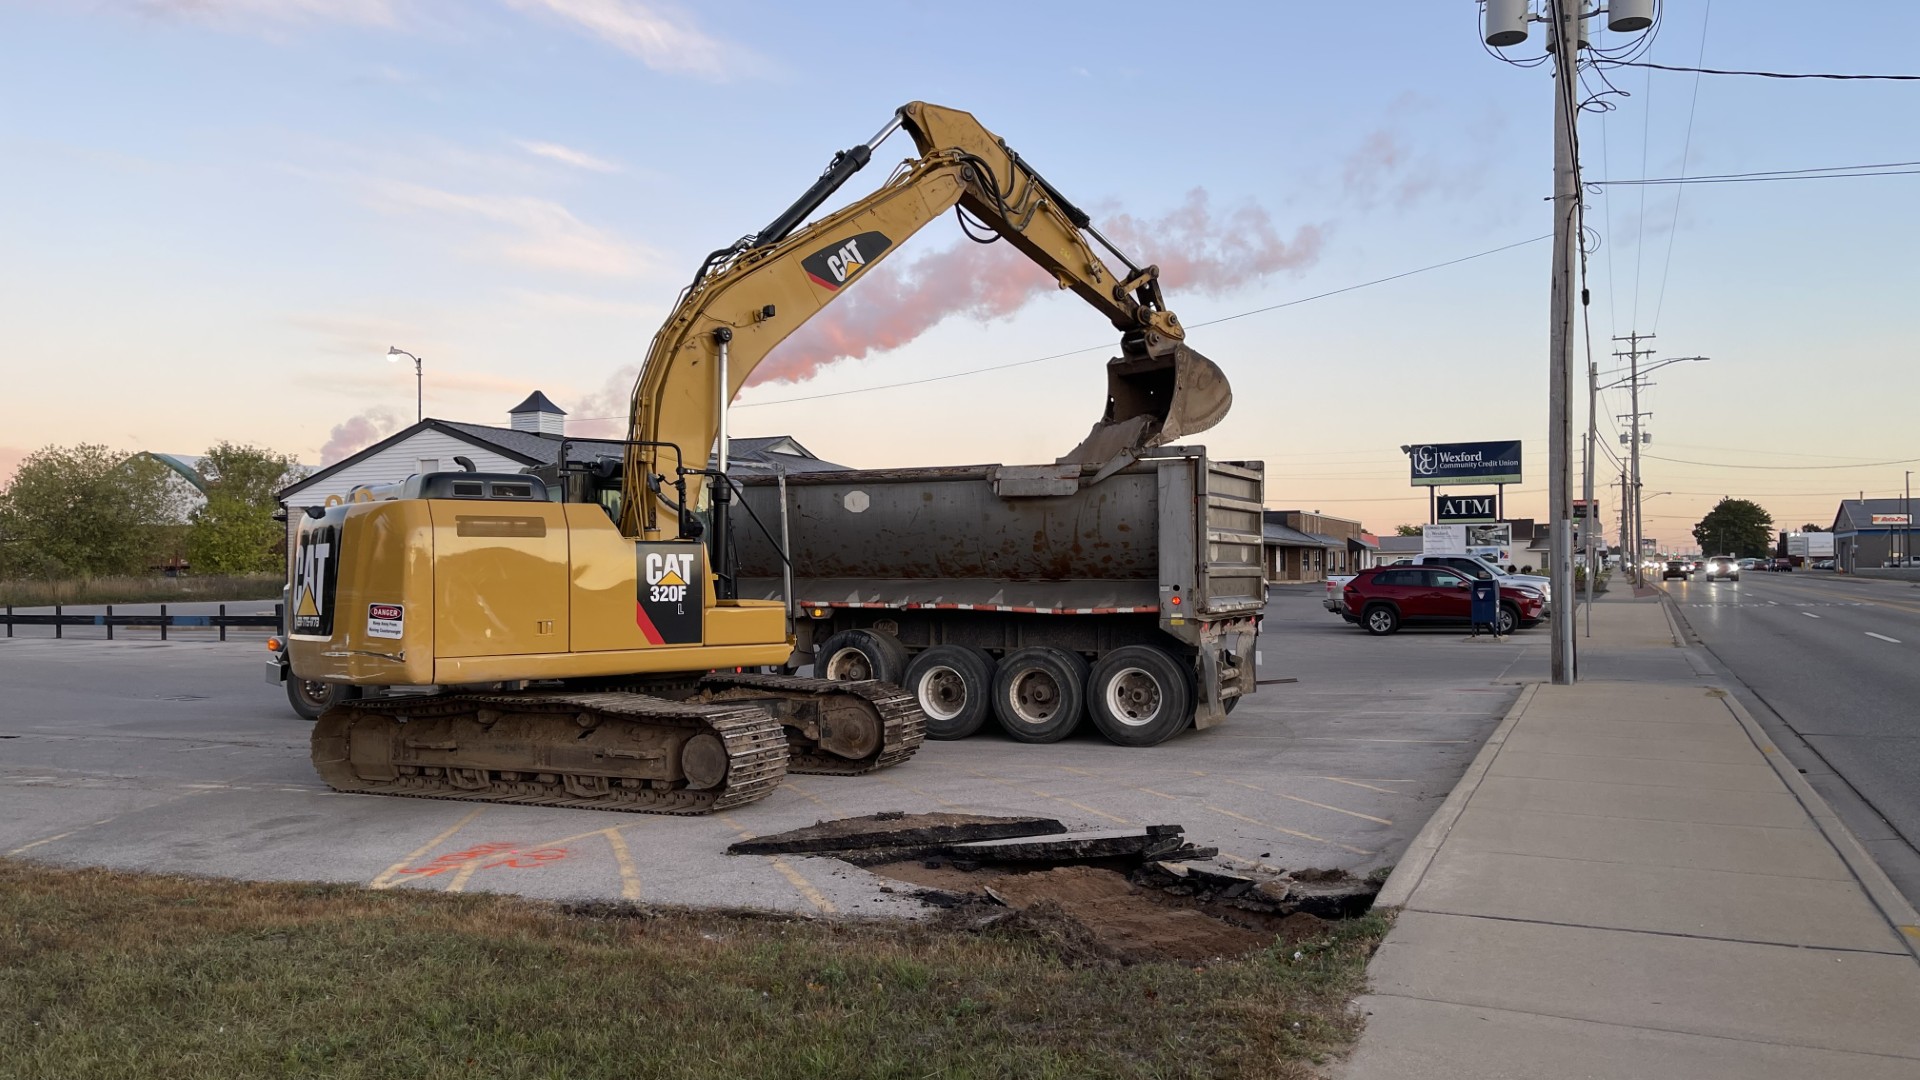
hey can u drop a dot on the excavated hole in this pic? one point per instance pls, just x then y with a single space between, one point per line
1113 895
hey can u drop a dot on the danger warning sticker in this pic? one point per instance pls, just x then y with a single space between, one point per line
386 620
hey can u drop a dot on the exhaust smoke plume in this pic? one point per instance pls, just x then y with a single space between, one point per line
355 434
604 413
1196 251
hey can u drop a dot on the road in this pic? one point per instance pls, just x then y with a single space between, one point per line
176 757
1837 661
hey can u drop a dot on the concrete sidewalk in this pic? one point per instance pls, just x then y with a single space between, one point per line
1630 882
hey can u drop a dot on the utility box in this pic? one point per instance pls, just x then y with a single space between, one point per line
1484 603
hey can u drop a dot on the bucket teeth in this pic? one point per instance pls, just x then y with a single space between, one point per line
1159 390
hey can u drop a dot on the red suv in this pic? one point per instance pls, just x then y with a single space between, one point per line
1384 598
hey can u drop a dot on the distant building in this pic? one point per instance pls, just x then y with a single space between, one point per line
533 436
1869 532
1302 545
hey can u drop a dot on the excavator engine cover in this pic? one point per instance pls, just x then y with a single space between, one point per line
1157 391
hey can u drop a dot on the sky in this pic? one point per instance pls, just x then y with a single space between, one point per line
216 216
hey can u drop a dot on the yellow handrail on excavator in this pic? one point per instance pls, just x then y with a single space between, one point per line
748 297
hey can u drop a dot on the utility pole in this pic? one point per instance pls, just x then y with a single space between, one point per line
1506 23
1590 519
1565 42
1633 354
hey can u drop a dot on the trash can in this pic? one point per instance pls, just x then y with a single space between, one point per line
1484 604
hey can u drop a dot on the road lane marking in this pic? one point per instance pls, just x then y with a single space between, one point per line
1809 614
37 843
1883 637
917 791
629 877
387 876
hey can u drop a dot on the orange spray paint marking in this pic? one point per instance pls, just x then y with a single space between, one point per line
512 857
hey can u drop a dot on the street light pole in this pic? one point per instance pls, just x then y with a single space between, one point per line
419 381
1565 34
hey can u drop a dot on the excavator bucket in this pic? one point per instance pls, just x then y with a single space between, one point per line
1157 391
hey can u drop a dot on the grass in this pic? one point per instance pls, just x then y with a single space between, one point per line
141 590
111 975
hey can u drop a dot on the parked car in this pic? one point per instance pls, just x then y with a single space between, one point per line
1749 564
1783 566
1675 569
1721 567
1474 566
1823 564
1335 601
1386 598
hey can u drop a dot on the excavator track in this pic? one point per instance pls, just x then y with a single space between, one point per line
593 750
902 726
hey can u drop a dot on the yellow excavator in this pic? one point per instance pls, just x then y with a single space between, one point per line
579 629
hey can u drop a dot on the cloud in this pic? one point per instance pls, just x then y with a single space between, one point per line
567 155
1196 250
663 40
356 433
604 413
538 232
232 12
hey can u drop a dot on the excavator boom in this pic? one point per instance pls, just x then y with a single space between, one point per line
749 297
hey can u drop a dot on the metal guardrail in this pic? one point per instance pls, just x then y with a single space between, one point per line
60 620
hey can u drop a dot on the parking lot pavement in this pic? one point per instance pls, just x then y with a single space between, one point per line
177 758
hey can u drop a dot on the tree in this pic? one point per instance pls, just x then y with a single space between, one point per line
1812 528
234 532
1406 530
1735 526
82 511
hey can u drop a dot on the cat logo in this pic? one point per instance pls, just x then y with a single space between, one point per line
668 611
313 582
841 261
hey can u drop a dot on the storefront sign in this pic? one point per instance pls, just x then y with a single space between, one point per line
1465 508
1465 463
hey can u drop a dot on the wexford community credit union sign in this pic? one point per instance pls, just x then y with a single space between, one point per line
1465 463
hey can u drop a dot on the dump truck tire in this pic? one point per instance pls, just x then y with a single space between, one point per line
1039 693
859 655
1140 695
953 685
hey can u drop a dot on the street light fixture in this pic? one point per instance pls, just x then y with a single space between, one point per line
419 382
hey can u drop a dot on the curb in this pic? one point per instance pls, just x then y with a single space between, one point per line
1419 855
1880 889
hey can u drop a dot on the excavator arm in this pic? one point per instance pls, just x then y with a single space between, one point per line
747 298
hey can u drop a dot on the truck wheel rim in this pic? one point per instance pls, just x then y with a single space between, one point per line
1379 620
1133 697
1034 697
314 692
849 665
942 693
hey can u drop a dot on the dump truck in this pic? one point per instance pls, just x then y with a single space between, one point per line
1032 595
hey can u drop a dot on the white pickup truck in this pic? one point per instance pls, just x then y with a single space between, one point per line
1335 600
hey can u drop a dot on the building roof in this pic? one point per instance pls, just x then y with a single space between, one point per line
537 402
533 448
1274 533
1328 541
1856 515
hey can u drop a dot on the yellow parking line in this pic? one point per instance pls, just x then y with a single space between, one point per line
1091 775
1036 791
463 875
629 877
917 791
387 876
808 795
1306 802
1289 832
1369 787
800 884
37 843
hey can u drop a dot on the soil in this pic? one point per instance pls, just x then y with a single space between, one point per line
1111 916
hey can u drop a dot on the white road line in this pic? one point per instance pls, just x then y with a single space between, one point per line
1884 637
1809 614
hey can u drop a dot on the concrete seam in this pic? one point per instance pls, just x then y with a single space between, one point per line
1888 900
1412 867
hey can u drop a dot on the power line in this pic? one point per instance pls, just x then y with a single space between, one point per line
1780 468
1109 345
1686 147
1765 74
1664 180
